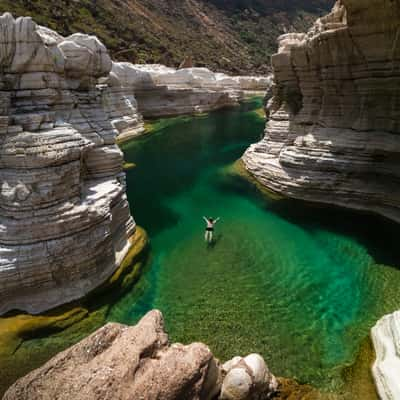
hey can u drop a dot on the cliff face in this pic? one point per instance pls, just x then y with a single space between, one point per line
334 129
385 337
64 217
161 91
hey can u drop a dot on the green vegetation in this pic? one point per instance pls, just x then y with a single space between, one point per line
226 35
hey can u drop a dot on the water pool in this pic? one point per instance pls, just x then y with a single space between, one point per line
300 284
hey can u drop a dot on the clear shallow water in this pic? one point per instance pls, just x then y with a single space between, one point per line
299 284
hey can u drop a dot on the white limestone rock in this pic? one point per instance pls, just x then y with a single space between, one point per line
163 91
334 129
386 369
247 378
64 216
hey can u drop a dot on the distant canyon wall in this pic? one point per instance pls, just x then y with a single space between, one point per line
334 129
161 91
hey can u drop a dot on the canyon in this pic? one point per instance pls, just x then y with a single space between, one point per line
65 225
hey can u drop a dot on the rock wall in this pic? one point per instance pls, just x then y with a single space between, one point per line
386 339
132 363
163 91
64 216
334 129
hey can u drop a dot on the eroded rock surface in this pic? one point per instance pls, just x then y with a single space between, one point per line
64 216
386 339
163 91
124 363
247 378
334 129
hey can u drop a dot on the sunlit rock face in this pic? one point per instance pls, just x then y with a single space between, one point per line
386 339
333 134
64 216
163 91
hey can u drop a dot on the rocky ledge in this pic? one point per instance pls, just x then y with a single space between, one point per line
131 363
162 91
64 217
334 129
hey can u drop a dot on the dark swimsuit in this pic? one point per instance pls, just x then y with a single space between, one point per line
209 229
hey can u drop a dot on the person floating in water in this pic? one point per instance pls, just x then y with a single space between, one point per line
209 228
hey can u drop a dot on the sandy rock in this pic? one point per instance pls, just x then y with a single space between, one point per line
125 363
333 134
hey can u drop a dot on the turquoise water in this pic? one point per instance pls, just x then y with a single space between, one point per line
301 285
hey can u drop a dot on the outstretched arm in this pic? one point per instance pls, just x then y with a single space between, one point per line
217 220
205 219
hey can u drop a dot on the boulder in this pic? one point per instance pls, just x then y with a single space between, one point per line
124 363
247 378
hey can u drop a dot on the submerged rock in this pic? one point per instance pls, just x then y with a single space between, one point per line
333 134
386 339
121 362
64 217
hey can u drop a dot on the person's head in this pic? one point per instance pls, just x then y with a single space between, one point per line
211 219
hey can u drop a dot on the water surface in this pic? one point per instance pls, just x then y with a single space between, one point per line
299 284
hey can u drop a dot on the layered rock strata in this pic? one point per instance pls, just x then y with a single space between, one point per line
163 91
386 339
64 216
333 134
131 363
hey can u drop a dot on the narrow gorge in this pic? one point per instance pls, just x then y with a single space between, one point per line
296 297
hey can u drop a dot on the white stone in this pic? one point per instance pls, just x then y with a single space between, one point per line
236 385
386 369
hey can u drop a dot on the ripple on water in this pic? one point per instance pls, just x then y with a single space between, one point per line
299 284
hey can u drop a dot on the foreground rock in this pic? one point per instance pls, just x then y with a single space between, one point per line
163 91
64 217
125 363
131 363
247 378
386 339
333 134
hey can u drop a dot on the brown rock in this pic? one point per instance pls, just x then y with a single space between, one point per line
126 363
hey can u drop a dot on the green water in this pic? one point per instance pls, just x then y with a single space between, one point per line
299 284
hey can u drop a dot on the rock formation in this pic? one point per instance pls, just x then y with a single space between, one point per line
162 91
64 217
334 129
131 363
386 339
247 378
